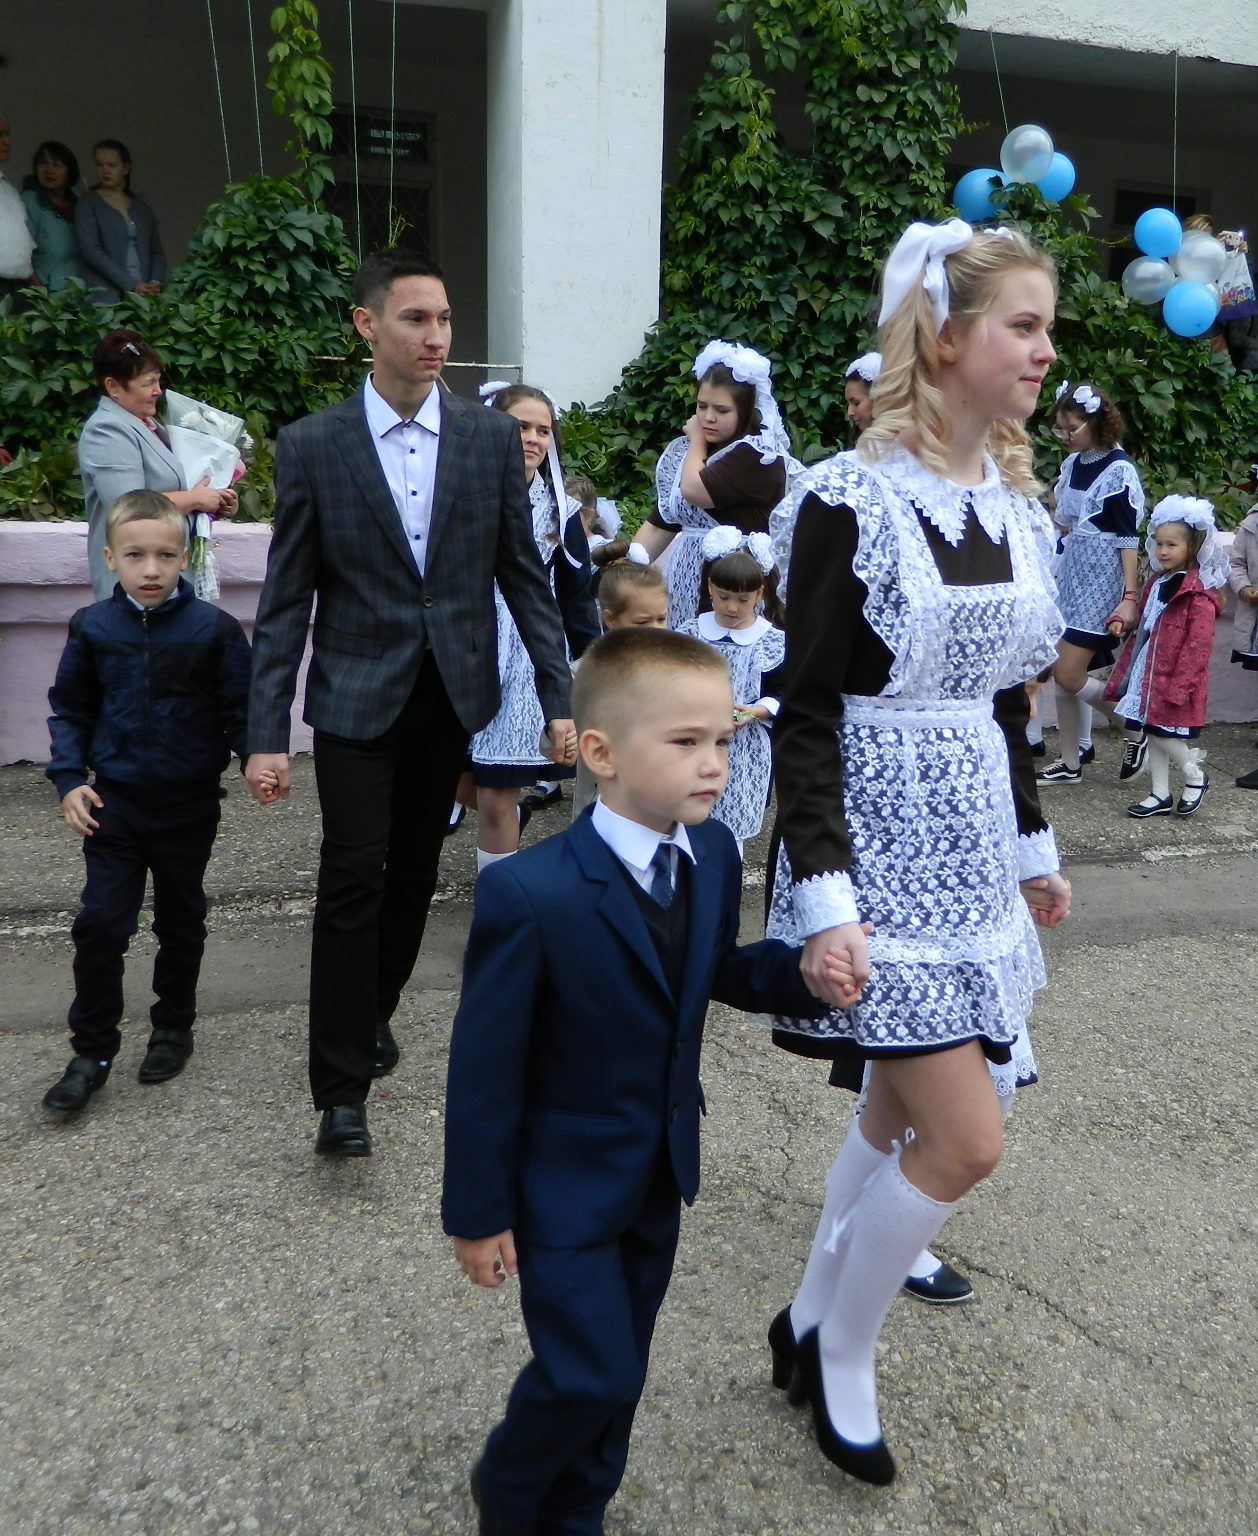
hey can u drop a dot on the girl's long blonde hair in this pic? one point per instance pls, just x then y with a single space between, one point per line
907 392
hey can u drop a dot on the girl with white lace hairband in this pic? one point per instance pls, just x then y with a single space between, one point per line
729 468
506 756
1099 504
1162 679
738 574
919 605
858 389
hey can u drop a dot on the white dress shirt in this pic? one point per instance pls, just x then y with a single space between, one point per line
16 244
634 845
407 450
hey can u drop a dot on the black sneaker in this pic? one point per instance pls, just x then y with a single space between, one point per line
1058 773
1151 806
1087 755
1134 754
1192 797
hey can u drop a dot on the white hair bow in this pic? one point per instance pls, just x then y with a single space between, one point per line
722 541
1196 512
637 554
492 388
1087 399
918 261
749 367
867 368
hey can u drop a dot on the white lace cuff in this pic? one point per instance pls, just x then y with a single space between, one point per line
824 901
1037 854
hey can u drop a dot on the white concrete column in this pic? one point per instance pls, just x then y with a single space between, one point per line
576 128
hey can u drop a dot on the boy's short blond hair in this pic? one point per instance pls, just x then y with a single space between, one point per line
627 665
144 507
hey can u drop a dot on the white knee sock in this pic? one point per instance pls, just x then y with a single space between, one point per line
1159 766
1085 725
1091 693
1184 755
891 1223
484 860
855 1164
1068 726
1035 730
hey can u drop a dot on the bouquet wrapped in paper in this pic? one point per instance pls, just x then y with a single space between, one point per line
208 443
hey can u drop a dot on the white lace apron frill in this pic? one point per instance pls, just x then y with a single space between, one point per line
936 854
1090 573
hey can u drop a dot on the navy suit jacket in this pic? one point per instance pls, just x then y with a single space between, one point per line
573 1068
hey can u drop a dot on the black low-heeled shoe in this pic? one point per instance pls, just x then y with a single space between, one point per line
869 1463
785 1352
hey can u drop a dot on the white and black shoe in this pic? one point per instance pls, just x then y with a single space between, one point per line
1192 797
1059 773
1134 754
1151 805
943 1287
1087 755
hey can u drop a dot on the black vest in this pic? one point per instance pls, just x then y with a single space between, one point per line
669 926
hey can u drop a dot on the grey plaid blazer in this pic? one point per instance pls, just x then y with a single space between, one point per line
338 538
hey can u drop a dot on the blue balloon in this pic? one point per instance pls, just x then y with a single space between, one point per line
1058 180
1190 308
972 196
1158 232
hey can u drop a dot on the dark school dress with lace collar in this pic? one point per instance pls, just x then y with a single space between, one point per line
916 611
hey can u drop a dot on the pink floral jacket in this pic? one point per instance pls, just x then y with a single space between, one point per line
1177 673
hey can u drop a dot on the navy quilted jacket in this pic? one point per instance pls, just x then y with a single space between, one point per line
153 698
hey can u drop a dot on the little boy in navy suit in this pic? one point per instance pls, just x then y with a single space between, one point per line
573 1100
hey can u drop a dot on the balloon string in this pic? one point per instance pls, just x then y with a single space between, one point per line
1175 141
999 87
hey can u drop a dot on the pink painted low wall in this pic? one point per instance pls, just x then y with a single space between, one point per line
43 580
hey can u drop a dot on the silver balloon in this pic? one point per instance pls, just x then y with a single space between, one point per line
1027 153
1147 280
1201 258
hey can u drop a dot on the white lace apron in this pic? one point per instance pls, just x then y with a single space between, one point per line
1090 573
927 795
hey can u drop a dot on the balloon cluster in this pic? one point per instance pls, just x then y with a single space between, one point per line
1026 155
1181 271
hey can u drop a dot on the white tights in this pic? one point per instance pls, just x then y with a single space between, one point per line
1165 750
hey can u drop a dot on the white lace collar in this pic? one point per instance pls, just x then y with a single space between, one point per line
714 633
943 502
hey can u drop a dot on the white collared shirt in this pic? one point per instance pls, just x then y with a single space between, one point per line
16 245
407 451
634 845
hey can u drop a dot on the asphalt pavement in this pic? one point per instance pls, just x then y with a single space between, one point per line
207 1330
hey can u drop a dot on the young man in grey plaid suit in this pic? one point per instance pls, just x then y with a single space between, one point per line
397 510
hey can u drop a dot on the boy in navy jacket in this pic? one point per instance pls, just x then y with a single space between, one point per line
150 696
573 1101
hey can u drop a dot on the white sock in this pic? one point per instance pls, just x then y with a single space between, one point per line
1035 730
545 785
484 860
1184 755
1091 693
1085 726
1159 767
456 811
1068 726
856 1162
892 1222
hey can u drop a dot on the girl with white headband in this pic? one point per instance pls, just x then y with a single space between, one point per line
858 388
729 468
1099 505
738 573
506 755
919 606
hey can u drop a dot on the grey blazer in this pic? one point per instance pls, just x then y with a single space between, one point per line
338 537
102 236
118 453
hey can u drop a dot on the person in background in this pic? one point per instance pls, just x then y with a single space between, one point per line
16 244
858 388
48 193
117 231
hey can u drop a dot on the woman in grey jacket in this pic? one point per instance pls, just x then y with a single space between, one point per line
122 448
118 238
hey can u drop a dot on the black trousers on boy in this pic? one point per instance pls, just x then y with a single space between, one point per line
386 806
167 831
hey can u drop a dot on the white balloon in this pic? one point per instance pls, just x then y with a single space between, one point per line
1148 279
1201 258
1027 153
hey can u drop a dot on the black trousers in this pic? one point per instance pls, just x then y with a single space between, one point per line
386 805
172 836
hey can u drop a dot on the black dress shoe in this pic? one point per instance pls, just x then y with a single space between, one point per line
77 1084
457 818
1248 780
166 1056
488 1523
944 1288
870 1463
387 1053
539 799
343 1132
1038 748
1087 755
1151 806
786 1377
1191 799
